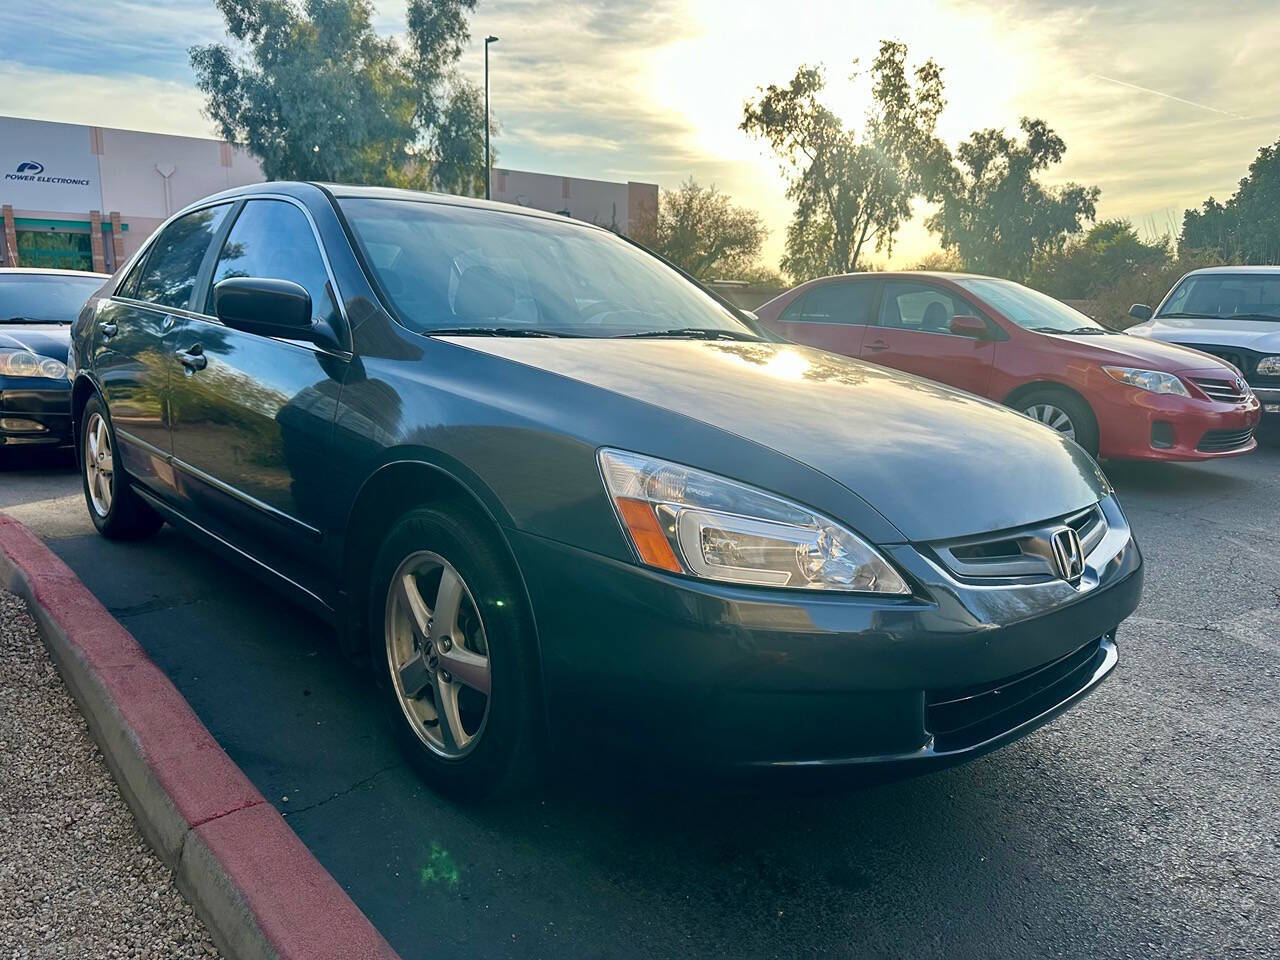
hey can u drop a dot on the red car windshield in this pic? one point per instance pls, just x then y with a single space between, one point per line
1029 308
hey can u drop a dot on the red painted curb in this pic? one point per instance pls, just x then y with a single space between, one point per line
253 882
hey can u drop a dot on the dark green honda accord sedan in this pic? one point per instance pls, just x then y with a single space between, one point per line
554 490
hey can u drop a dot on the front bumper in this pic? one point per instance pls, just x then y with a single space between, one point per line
35 412
1139 425
721 675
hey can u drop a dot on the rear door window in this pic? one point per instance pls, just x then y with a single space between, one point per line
849 303
169 278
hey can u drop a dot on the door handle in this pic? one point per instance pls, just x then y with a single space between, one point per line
193 358
108 328
877 345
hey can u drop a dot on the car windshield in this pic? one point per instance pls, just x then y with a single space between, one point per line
44 298
1226 296
462 270
1029 308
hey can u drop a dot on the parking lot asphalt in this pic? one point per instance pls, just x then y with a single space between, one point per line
1142 823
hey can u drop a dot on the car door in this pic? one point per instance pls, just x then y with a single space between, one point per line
252 415
831 316
913 333
132 367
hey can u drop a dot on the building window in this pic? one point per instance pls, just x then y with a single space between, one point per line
59 249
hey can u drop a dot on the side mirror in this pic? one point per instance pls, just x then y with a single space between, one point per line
1141 311
270 308
964 325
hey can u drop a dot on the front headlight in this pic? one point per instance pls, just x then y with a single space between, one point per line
24 363
1269 367
1152 380
687 521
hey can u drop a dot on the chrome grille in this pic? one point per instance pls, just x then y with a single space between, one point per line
1225 390
1024 552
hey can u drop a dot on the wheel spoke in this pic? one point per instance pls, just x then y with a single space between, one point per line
448 601
103 444
93 443
451 729
414 605
415 676
466 667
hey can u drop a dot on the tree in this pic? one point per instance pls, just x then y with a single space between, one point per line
993 211
701 231
316 94
851 187
1110 252
1245 229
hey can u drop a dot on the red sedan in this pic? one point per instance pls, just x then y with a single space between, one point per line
1115 395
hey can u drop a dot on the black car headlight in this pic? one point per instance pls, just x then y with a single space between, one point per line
24 363
696 523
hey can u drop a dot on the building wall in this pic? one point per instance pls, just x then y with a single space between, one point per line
63 178
602 202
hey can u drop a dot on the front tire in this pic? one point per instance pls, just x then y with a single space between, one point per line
453 653
115 509
1063 412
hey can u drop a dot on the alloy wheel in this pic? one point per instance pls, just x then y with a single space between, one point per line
99 465
438 654
1054 417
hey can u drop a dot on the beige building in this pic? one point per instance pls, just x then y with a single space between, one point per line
85 198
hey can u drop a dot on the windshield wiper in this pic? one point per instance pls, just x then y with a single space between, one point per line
691 333
1252 316
1187 316
1092 330
495 332
33 320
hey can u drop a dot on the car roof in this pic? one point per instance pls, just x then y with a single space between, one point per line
299 189
51 272
1236 268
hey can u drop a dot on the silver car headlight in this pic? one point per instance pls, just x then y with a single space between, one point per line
1153 380
696 523
24 363
1269 367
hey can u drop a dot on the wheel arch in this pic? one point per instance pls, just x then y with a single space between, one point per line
396 487
83 388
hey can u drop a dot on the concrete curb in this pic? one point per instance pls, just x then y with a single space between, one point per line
256 886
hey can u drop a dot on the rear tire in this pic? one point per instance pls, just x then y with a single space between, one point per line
478 745
1064 412
115 509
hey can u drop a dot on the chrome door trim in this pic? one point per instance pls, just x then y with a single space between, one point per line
273 512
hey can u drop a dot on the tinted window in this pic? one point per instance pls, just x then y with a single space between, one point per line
834 303
50 298
459 268
1242 295
273 239
175 258
919 306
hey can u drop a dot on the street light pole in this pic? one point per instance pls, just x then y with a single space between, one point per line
488 154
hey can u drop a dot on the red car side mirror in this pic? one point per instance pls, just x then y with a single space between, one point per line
964 325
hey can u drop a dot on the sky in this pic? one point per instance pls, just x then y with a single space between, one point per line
1160 105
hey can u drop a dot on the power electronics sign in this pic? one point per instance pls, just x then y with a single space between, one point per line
48 167
32 171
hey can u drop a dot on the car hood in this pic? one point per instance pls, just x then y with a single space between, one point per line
48 340
1148 354
1260 335
935 462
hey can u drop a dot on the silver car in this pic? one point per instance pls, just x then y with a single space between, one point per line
1230 312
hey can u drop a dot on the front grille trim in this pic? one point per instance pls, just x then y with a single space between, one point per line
1223 390
1222 441
1020 553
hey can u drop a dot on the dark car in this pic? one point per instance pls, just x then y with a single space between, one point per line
557 492
36 311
